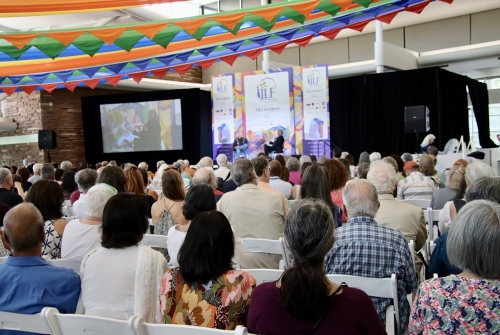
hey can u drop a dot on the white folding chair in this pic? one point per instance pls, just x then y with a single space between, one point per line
77 324
422 203
377 287
3 259
66 263
67 203
264 246
411 246
67 211
291 203
432 246
154 241
34 323
264 275
143 328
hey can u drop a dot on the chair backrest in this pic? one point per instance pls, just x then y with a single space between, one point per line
77 324
264 246
411 246
264 275
432 245
34 323
142 328
67 203
291 203
67 211
66 263
422 203
3 259
375 287
431 216
154 241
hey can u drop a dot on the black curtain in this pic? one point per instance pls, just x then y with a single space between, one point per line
367 112
478 93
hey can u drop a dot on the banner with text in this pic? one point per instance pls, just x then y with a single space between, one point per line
223 114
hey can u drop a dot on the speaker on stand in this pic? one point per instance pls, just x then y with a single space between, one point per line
47 140
417 121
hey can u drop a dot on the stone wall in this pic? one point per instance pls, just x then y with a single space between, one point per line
194 75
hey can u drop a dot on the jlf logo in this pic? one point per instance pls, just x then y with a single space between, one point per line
266 89
313 78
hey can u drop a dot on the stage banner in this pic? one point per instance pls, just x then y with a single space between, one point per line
315 111
268 106
223 114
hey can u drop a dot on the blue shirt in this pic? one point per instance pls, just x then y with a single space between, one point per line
439 260
28 284
364 248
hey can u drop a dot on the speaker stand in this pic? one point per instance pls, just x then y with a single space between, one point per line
48 156
418 144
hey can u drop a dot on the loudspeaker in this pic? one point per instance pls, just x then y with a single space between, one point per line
417 119
47 139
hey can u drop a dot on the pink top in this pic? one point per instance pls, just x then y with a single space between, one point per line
337 200
74 196
295 177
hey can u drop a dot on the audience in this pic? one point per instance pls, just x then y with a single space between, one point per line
25 175
37 170
293 165
135 184
47 196
304 159
186 177
375 156
167 212
29 283
253 213
84 234
121 278
66 166
466 302
406 157
205 290
313 158
262 170
303 300
276 183
6 183
145 179
68 185
4 208
362 171
455 188
48 172
113 176
415 185
188 169
338 175
85 179
365 248
222 172
428 168
207 176
206 162
337 152
350 159
400 173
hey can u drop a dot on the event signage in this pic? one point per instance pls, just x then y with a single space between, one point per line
223 112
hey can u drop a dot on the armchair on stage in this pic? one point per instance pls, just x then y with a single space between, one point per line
240 146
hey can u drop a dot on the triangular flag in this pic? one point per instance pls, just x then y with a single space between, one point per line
253 54
343 4
364 3
108 35
160 73
166 60
287 34
191 26
116 68
233 46
65 37
331 34
71 85
305 8
230 20
64 75
49 87
345 19
141 64
19 40
207 51
16 79
316 27
114 80
269 14
39 78
92 83
417 8
260 40
278 48
183 57
303 41
149 30
447 1
90 71
137 77
230 59
359 26
182 69
28 89
9 90
206 63
387 18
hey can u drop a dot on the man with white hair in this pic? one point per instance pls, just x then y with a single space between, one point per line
366 249
6 183
375 156
222 172
206 162
85 179
66 166
37 173
407 219
187 168
207 176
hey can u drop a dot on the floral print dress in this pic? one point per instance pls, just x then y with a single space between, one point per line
221 303
456 305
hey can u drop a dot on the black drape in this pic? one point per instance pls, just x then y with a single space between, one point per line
367 112
478 93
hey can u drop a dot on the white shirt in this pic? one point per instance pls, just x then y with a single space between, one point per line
282 186
175 239
222 172
108 283
34 178
445 220
80 207
79 239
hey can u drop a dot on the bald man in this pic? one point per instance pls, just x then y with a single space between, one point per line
28 282
207 176
276 183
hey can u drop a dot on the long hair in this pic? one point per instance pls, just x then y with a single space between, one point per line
315 183
135 182
337 172
47 196
309 233
172 185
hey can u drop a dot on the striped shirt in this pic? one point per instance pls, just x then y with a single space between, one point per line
416 186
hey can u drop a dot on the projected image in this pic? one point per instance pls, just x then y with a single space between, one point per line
142 126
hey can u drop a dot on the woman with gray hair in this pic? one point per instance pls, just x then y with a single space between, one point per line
467 302
304 301
293 165
364 157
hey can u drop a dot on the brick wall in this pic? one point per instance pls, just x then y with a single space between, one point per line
194 75
25 110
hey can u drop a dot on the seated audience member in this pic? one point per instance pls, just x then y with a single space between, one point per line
145 166
66 166
207 176
206 162
346 164
37 171
427 168
187 168
222 172
6 183
262 170
4 208
48 172
316 185
473 172
486 188
167 212
304 159
375 156
415 185
352 167
145 179
365 248
48 198
219 296
18 186
362 171
121 278
25 175
58 174
337 152
406 157
113 176
186 177
364 157
313 158
84 235
68 185
281 160
304 301
466 302
338 175
253 213
276 183
29 283
85 179
135 185
400 173
455 188
294 166
407 219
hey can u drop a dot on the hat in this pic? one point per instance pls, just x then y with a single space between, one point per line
410 165
477 155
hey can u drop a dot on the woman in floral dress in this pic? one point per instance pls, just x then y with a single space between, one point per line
204 290
467 303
